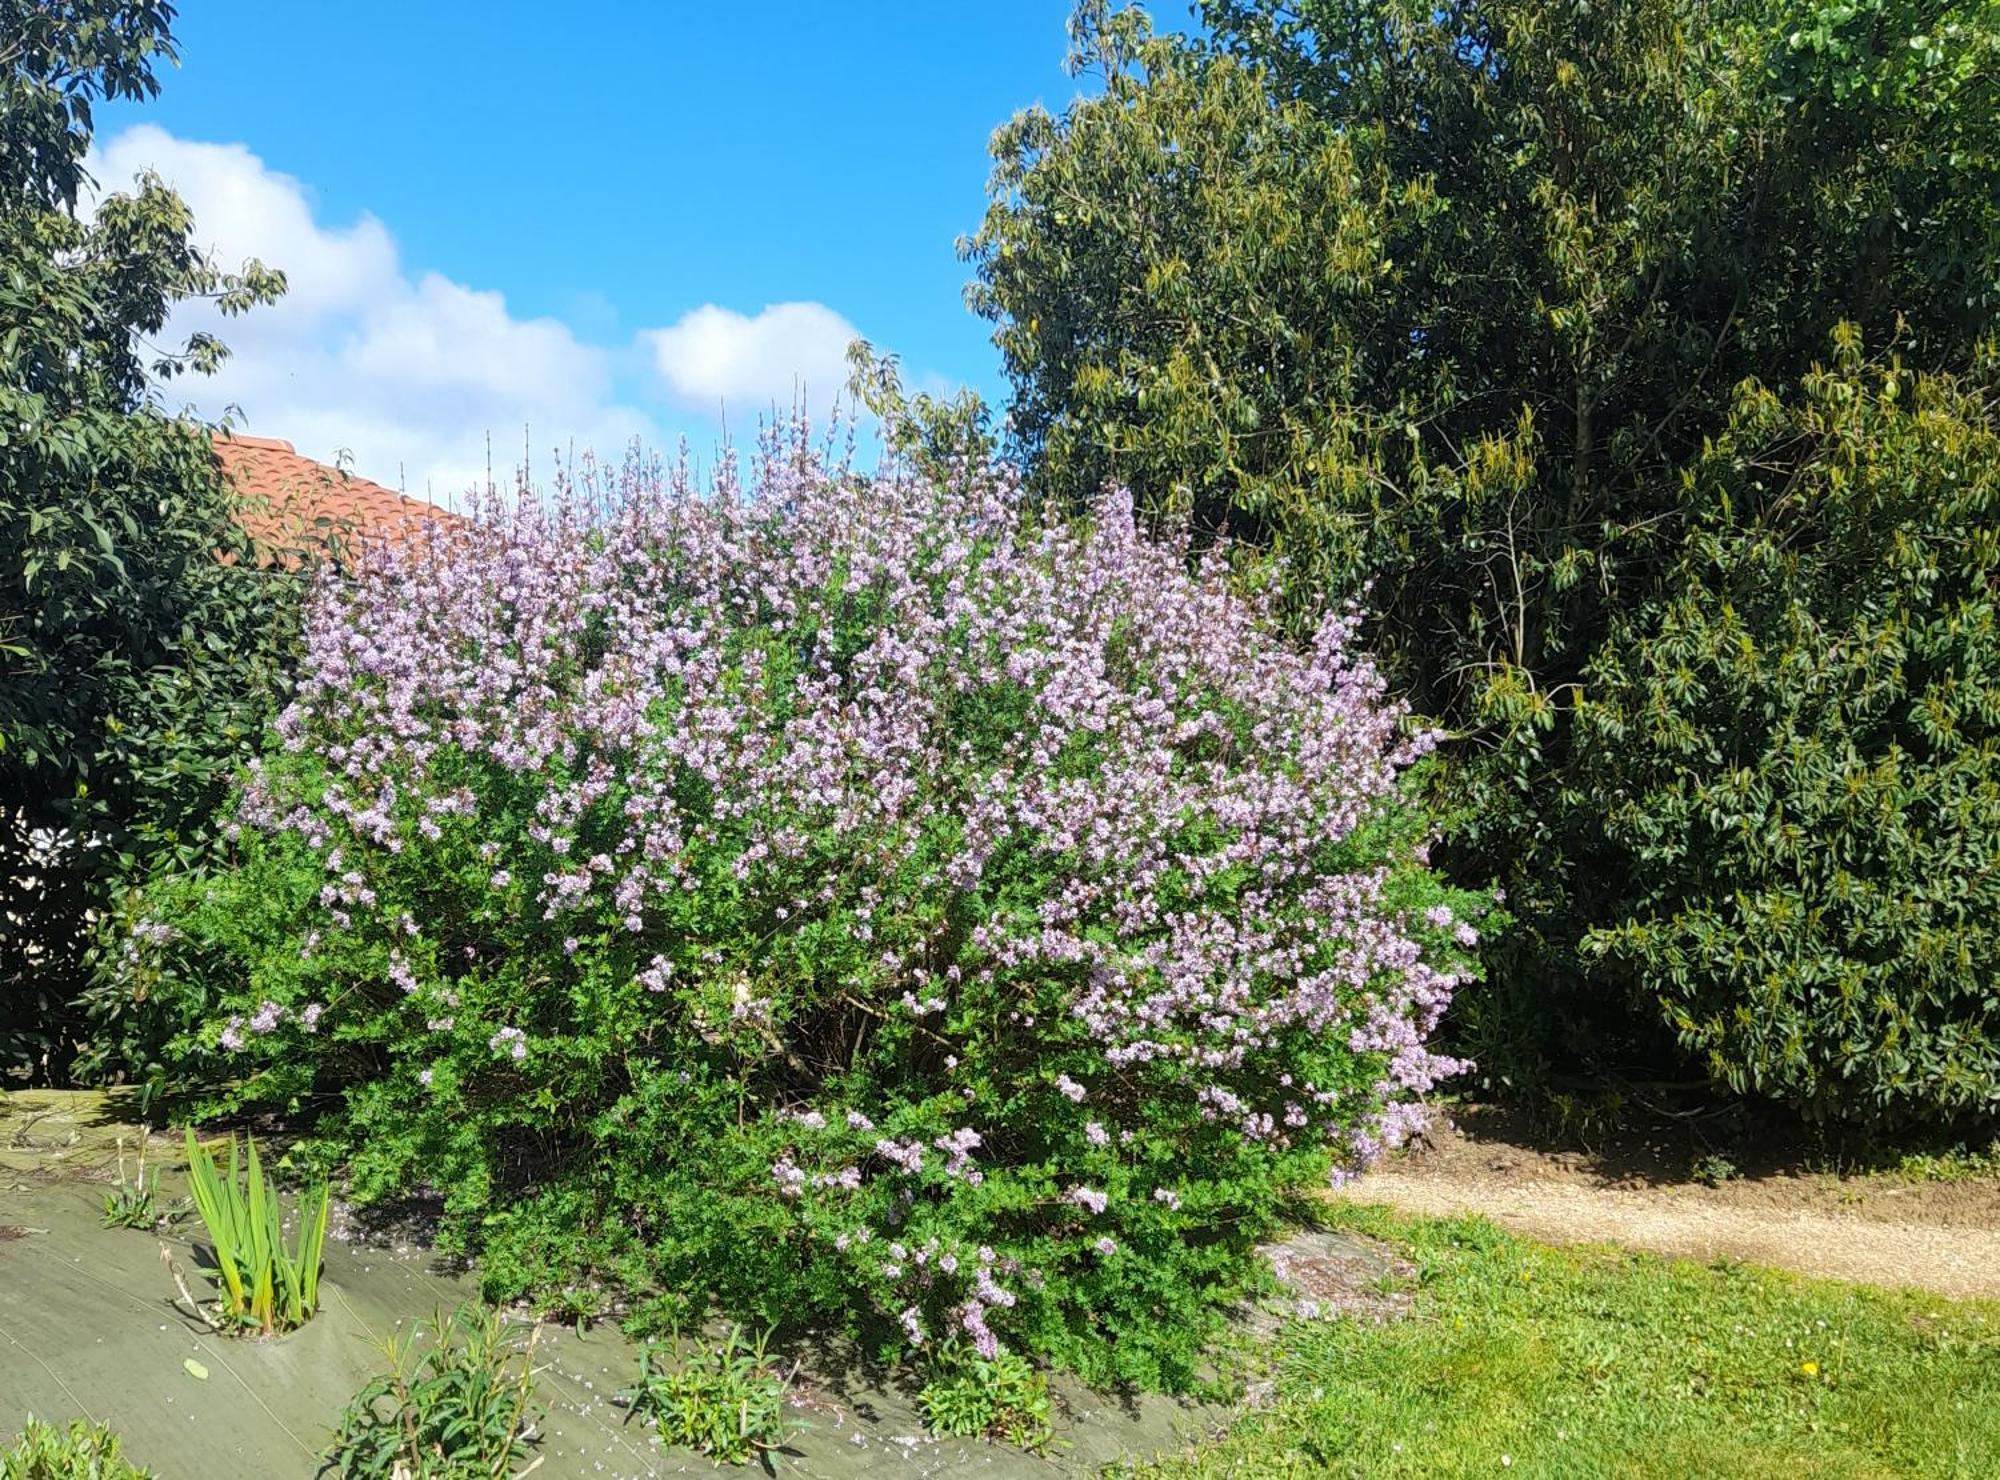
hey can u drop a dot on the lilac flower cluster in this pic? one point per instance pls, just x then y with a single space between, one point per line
998 863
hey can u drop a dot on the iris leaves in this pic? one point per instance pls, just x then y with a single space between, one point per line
263 1283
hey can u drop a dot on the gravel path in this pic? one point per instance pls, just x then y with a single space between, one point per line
1875 1230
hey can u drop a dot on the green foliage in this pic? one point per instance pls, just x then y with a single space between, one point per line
264 1284
83 1451
936 436
1797 746
575 1306
827 1064
457 1407
1713 1169
1529 1360
137 670
726 1401
1001 1397
135 1203
1441 301
1956 1164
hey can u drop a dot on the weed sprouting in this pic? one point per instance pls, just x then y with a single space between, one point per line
726 1401
134 1202
462 1406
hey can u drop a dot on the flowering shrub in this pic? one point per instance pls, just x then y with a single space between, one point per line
835 898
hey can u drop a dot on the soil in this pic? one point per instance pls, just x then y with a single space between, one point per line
1878 1228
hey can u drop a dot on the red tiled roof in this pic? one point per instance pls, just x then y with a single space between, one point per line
291 502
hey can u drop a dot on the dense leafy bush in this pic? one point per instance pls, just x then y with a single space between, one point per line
1799 746
137 671
842 897
1445 298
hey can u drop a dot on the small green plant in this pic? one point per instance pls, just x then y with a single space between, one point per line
576 1307
1588 1119
726 1401
1959 1164
134 1202
262 1283
1713 1169
998 1397
83 1451
462 1406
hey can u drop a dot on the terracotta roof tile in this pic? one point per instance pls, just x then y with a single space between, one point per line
292 503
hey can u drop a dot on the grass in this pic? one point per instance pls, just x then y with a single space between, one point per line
1586 1362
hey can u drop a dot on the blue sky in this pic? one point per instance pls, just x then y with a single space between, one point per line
504 213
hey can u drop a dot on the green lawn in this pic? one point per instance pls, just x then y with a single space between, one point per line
1539 1361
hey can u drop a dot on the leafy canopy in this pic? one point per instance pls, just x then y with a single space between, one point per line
1439 300
1799 745
135 667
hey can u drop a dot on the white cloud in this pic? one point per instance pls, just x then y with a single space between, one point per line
407 374
714 357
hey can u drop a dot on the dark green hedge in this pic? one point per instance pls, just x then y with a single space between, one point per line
1798 749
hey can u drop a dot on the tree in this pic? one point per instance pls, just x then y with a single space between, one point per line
1437 300
139 636
1797 742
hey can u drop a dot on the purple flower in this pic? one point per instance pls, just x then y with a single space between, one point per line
1056 793
906 1154
791 1181
972 1316
1088 1197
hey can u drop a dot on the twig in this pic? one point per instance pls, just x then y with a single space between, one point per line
167 1258
514 1431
